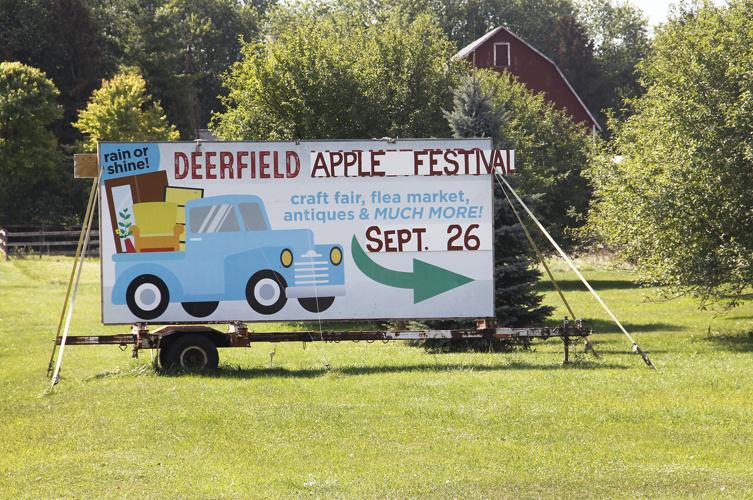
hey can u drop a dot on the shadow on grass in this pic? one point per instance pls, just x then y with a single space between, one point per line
607 326
741 342
576 285
742 297
740 318
227 371
627 351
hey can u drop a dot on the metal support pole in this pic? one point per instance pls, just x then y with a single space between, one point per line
80 249
636 348
69 315
588 345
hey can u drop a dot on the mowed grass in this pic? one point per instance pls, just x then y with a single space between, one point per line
385 420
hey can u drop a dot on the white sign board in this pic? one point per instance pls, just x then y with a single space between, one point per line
267 231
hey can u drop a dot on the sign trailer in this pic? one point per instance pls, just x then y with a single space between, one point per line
285 231
237 232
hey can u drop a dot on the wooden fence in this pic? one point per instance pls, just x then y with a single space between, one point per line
24 241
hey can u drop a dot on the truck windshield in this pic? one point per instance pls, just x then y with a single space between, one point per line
214 219
253 217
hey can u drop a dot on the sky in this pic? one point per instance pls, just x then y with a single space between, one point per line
655 10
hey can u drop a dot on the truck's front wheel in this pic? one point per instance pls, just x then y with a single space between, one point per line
147 296
265 292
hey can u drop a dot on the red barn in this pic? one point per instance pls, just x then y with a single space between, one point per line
502 50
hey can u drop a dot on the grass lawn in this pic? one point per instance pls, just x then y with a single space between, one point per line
386 420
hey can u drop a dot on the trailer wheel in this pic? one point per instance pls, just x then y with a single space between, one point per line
200 309
265 292
190 352
147 296
316 304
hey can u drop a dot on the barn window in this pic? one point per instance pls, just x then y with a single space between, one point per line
501 55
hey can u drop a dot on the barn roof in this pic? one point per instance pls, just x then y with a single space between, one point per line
471 48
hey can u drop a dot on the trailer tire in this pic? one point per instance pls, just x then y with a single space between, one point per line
316 304
191 351
143 292
163 351
265 292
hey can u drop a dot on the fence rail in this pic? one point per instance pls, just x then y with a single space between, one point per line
27 241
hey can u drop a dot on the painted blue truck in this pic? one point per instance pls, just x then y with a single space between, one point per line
231 253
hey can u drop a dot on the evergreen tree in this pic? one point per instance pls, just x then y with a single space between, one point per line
552 152
517 304
474 114
515 275
574 54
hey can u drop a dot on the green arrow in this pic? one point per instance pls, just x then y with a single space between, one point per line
426 280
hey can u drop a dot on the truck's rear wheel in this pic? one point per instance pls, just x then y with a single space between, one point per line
316 304
147 296
265 292
200 309
190 352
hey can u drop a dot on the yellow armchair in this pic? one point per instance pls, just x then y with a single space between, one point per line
156 229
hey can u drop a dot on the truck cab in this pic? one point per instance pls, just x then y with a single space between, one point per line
231 253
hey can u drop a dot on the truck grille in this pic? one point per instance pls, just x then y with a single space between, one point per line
311 269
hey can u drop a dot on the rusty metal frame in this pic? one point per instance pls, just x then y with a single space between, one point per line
238 335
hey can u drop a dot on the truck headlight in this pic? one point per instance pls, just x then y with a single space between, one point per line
335 256
286 258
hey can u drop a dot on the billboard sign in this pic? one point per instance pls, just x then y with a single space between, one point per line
267 231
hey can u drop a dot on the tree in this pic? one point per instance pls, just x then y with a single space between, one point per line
678 202
71 43
183 47
599 72
63 39
475 114
464 21
334 76
121 110
305 82
28 149
551 152
574 54
620 35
